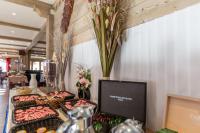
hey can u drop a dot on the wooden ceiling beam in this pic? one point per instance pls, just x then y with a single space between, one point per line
15 38
9 50
2 46
36 58
19 26
38 53
37 38
1 51
19 39
42 8
40 48
10 56
16 45
43 49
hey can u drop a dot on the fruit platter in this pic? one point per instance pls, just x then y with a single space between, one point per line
65 95
44 126
33 113
103 123
24 100
71 104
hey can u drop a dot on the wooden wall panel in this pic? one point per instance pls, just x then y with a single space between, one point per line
81 9
140 11
84 36
150 10
81 25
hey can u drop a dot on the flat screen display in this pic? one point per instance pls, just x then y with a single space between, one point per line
123 98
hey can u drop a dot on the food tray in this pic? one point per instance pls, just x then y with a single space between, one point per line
50 124
25 103
74 101
53 102
71 96
34 120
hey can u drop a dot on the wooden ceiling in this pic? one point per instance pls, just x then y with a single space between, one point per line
23 26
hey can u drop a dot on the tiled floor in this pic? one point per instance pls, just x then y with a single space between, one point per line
3 106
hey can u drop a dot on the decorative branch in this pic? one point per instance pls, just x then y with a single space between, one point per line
63 44
62 54
67 12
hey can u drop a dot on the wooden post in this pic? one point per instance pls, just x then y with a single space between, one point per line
26 59
39 65
49 37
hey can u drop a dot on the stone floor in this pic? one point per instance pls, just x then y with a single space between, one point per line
3 106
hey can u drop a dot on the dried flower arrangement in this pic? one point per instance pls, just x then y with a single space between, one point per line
109 19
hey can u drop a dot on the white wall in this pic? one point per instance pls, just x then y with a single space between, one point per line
164 52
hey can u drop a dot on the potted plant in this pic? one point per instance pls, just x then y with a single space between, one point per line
84 83
109 19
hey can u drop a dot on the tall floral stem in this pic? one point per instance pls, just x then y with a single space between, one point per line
109 19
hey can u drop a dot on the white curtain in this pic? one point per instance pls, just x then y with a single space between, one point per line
164 52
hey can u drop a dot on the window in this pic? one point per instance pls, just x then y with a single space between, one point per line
36 65
3 65
42 65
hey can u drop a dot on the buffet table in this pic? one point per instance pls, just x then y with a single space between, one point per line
10 124
18 79
14 80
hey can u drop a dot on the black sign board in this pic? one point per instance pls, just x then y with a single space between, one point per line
123 98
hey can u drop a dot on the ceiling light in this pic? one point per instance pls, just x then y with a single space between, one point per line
12 31
14 14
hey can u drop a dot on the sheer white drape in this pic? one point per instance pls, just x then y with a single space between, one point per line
164 52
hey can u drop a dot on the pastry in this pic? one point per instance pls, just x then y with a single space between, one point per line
41 130
24 90
21 131
51 131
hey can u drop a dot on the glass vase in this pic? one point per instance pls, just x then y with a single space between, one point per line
84 93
